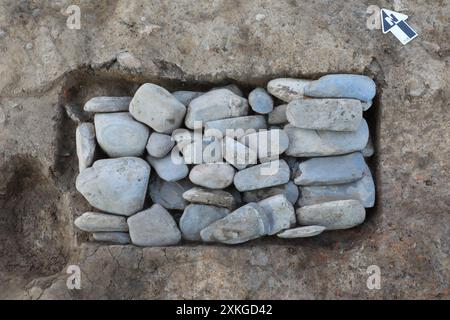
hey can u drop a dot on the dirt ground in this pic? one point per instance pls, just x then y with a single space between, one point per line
47 72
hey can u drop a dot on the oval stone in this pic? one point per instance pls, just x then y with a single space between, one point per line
287 89
171 167
262 176
212 175
278 115
196 217
159 144
108 104
260 101
235 127
99 222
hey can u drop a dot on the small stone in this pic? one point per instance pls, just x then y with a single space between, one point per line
115 185
101 222
196 217
157 108
219 198
301 232
289 190
244 224
215 105
260 101
233 88
113 237
236 127
287 89
262 176
281 211
171 167
29 46
212 175
86 144
185 97
108 104
334 215
237 154
278 115
331 170
318 143
260 17
325 114
119 135
268 144
169 194
159 145
154 227
369 149
128 61
342 86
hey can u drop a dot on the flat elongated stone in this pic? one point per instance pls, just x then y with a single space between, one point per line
334 215
153 227
113 237
278 115
108 104
219 198
287 89
86 144
169 194
159 144
362 190
115 185
244 224
342 86
281 211
185 97
119 135
215 105
212 175
289 190
262 176
237 127
301 232
331 170
196 217
318 143
237 154
325 114
171 167
98 222
260 101
157 108
267 143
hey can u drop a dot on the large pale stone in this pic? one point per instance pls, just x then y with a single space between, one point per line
159 144
113 237
115 185
108 104
301 232
219 198
262 176
169 194
196 217
268 144
185 97
171 167
237 127
237 154
289 190
86 144
281 211
260 101
212 175
98 222
157 108
278 115
287 89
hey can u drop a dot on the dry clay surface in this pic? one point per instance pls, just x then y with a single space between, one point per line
46 68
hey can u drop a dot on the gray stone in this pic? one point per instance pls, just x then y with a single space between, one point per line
215 105
159 144
108 104
244 224
317 143
260 101
268 144
169 194
86 144
334 215
236 127
171 167
119 135
237 154
219 198
212 175
157 108
185 97
331 170
278 115
262 176
115 185
281 211
289 190
153 227
301 232
196 217
99 222
113 237
342 86
325 114
369 149
287 89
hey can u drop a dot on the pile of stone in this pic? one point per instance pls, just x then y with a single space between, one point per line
237 169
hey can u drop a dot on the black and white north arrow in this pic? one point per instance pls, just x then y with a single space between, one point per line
394 22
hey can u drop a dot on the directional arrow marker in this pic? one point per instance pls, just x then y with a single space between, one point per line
395 22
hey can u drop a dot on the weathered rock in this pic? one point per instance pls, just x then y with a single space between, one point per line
325 114
281 211
171 167
196 217
317 143
215 105
159 144
236 127
278 115
334 215
301 232
86 144
262 176
185 97
115 185
289 190
342 86
331 170
169 194
113 237
287 89
369 149
100 222
244 224
219 198
268 144
237 154
260 101
153 227
212 175
157 108
119 135
108 104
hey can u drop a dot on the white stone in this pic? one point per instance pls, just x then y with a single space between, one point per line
212 175
101 222
287 89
